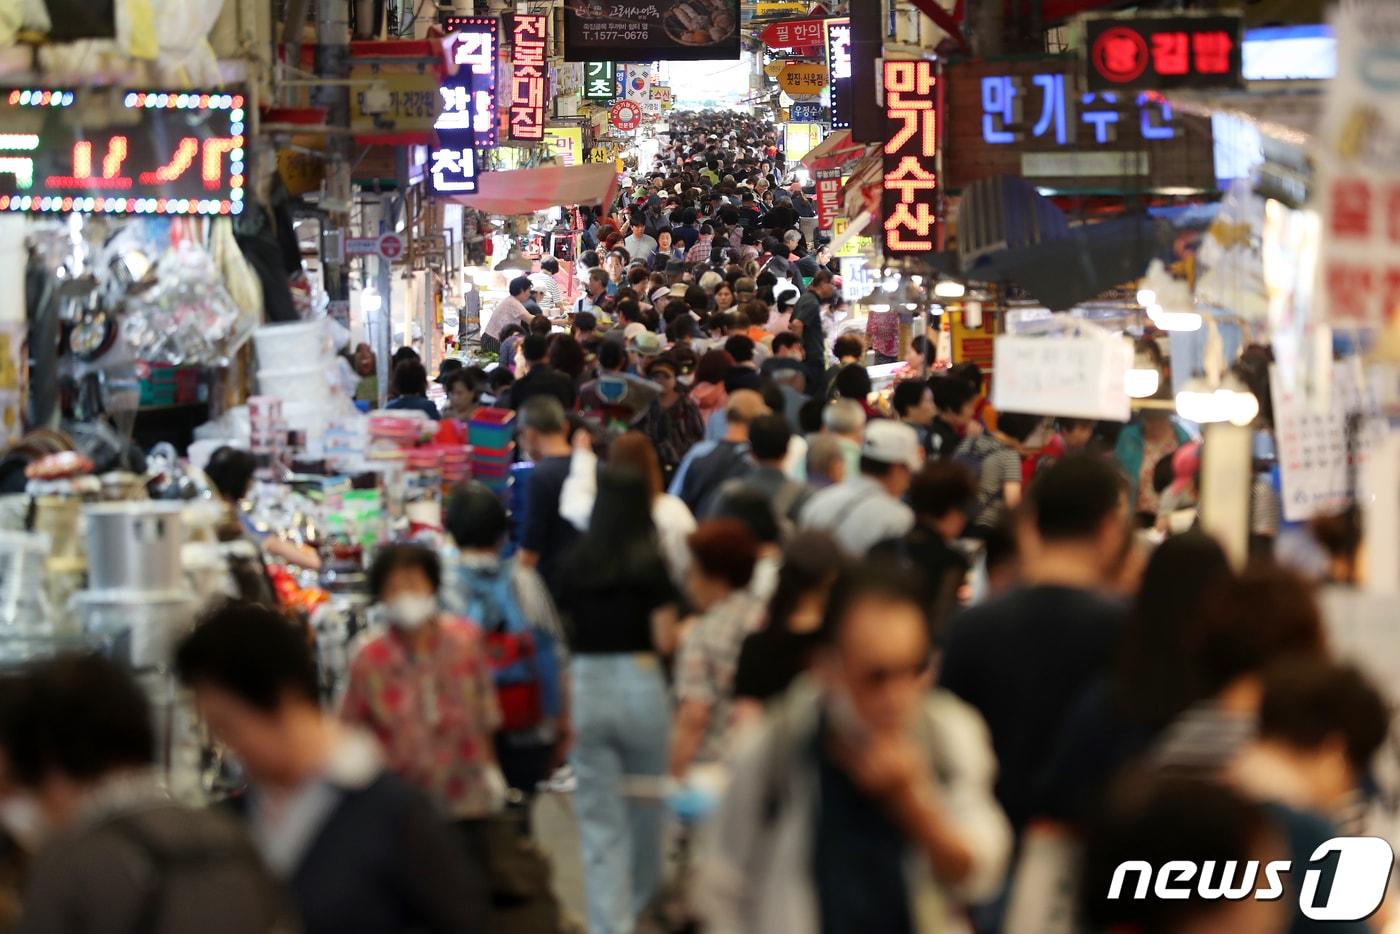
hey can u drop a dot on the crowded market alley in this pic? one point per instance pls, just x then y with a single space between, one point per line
668 466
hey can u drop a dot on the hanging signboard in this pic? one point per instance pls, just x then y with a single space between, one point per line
626 115
1357 181
828 197
1034 119
909 203
800 139
793 34
469 97
76 150
567 143
780 6
1163 53
1073 376
802 79
656 30
599 81
805 112
859 245
528 76
838 62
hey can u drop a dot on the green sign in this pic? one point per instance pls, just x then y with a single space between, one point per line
599 81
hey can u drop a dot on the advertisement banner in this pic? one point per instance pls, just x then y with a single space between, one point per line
529 75
657 30
909 204
567 143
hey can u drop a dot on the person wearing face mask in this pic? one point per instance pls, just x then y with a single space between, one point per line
80 761
424 686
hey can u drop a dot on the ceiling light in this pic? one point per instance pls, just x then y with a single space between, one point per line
949 288
1146 297
1205 404
371 301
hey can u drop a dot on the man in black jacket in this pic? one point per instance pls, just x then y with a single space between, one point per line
360 851
808 311
540 379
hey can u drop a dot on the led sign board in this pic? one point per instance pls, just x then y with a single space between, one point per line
838 57
1163 53
75 150
528 76
909 204
469 97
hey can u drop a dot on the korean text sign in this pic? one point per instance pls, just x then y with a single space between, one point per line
469 97
1035 119
909 204
529 75
838 58
1163 53
599 81
828 197
178 152
651 30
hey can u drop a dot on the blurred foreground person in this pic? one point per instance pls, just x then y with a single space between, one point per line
120 856
864 803
358 848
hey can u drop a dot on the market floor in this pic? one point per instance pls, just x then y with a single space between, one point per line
556 828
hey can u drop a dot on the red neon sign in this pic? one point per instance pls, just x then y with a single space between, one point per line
180 153
1164 53
528 76
911 195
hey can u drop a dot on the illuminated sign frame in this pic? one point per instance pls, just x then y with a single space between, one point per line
600 81
839 62
828 197
910 199
529 75
469 97
1163 53
163 152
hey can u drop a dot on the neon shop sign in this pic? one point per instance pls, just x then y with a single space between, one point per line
1046 107
72 150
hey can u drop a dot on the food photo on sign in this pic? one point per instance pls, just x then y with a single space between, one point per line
669 30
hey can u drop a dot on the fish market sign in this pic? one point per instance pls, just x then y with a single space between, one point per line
78 150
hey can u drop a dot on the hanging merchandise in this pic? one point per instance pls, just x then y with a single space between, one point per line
187 316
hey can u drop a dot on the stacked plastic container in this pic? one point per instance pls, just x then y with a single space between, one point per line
294 365
492 435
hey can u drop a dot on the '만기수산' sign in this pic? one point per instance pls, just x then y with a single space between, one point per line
651 30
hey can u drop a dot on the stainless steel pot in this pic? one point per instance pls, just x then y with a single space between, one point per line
133 546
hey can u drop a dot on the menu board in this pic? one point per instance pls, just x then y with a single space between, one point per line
651 30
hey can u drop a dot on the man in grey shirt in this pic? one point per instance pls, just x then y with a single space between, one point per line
640 245
867 510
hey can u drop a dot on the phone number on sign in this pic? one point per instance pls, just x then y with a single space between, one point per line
604 34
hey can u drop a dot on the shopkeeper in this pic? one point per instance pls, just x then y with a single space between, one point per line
231 471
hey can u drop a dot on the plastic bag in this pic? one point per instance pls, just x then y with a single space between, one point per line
241 281
188 316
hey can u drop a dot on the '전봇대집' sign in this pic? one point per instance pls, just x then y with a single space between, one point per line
651 30
528 76
909 203
121 152
1034 119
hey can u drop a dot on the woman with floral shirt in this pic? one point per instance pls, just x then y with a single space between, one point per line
423 686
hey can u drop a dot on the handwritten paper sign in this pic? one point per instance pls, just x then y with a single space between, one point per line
1079 377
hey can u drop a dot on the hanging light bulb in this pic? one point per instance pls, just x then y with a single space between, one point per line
1198 403
370 300
949 288
1146 297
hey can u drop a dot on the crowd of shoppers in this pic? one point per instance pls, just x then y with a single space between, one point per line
919 638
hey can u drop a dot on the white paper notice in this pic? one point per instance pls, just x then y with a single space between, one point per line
1075 376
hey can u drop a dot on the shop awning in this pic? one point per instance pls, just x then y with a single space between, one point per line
834 152
525 191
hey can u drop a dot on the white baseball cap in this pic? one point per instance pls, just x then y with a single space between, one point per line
890 442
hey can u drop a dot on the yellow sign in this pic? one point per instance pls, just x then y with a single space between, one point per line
781 6
800 139
567 143
393 102
802 79
856 246
773 69
302 172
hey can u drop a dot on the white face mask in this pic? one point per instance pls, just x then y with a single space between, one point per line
24 821
411 612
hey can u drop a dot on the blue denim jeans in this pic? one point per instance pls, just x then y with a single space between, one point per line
621 715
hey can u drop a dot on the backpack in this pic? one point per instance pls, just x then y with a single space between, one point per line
524 660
